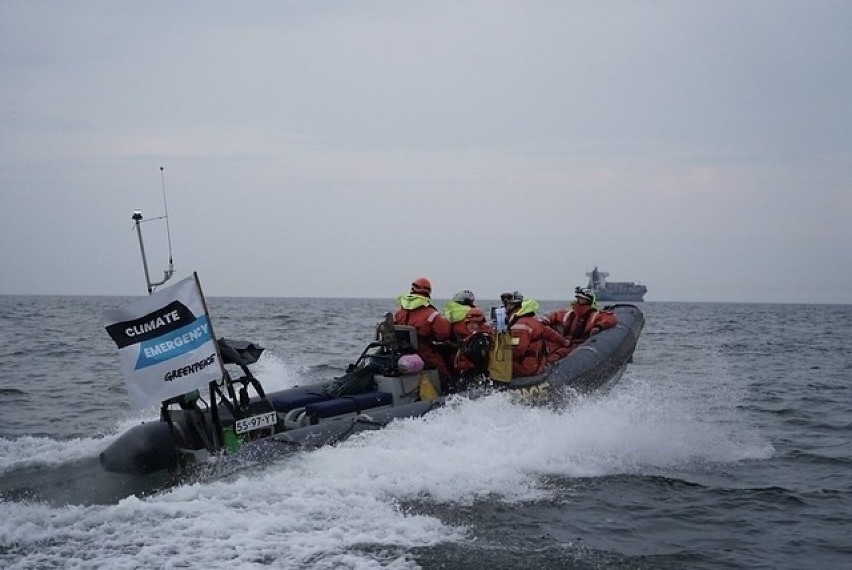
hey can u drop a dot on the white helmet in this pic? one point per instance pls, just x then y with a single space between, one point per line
464 297
585 294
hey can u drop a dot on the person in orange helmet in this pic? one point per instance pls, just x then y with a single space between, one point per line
416 310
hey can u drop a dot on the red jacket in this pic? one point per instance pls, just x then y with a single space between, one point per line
458 331
431 326
576 325
528 355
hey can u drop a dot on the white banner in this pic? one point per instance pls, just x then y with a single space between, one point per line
166 344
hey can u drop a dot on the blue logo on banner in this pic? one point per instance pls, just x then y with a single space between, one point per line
174 343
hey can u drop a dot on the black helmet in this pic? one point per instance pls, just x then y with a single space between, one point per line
514 298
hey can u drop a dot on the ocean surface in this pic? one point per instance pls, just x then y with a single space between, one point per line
727 444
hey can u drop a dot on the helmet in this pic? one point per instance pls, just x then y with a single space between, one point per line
515 298
421 286
464 298
585 294
474 315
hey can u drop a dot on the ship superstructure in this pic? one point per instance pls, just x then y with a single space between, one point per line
614 291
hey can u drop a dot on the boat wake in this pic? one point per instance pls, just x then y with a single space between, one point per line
636 428
356 503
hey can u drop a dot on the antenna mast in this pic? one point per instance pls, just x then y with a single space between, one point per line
137 218
171 270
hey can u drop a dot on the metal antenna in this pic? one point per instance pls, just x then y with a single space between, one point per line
168 228
137 218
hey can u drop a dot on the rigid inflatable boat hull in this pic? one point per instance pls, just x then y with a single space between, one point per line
309 417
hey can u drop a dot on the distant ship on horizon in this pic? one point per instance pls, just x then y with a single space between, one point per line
615 291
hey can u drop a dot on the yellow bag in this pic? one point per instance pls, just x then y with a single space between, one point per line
500 358
427 389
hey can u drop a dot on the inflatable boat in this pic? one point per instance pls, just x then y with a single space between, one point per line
239 417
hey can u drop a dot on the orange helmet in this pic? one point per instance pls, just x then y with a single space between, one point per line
421 286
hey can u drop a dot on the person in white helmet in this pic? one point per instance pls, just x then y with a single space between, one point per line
578 322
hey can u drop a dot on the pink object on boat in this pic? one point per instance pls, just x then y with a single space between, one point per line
410 364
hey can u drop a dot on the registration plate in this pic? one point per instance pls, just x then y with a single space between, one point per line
255 422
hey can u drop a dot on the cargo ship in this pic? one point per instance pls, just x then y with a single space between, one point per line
615 291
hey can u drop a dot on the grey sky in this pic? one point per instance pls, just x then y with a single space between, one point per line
344 148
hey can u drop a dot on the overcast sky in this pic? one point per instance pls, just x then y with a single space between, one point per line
703 148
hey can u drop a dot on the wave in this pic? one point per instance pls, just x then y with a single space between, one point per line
817 458
339 506
27 452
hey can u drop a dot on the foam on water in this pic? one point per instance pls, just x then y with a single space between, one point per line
344 505
27 452
275 373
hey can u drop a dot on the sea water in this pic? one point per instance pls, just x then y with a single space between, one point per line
726 444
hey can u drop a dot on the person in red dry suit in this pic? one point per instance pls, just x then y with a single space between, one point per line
455 312
416 310
578 322
529 335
